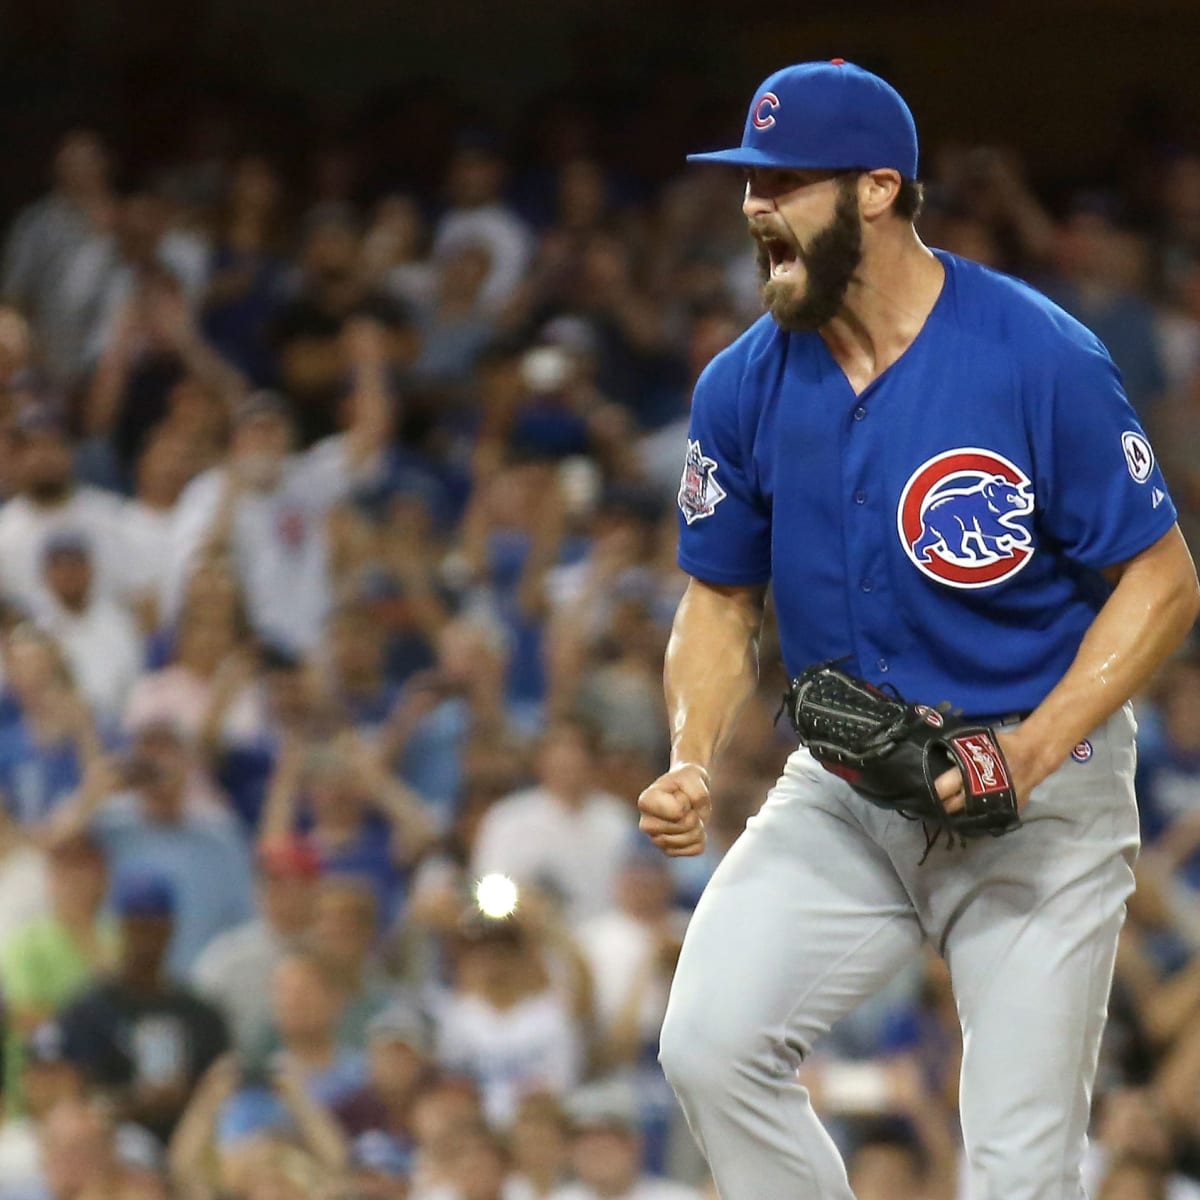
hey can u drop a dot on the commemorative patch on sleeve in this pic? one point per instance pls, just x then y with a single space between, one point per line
699 491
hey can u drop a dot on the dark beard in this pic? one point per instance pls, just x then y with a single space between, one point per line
48 491
830 260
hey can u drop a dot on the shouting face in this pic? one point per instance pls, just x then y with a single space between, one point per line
809 238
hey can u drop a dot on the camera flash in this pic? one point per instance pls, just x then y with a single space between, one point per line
496 896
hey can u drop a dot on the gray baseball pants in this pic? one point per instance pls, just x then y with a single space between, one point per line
821 901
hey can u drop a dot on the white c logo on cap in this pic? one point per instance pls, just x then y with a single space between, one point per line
767 101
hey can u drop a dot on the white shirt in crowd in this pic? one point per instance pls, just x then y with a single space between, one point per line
119 562
149 533
280 543
506 238
620 952
646 1188
103 648
536 838
24 889
531 1047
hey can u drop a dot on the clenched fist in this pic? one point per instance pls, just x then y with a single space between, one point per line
674 808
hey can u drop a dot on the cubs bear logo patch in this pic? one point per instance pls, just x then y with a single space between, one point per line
699 491
964 518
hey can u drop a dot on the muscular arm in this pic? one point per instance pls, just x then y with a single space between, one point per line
711 667
1153 605
711 670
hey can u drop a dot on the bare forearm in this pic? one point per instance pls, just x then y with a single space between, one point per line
1144 620
711 668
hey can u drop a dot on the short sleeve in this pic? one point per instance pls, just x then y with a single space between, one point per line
724 523
1100 490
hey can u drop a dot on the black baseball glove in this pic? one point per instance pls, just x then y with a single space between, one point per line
891 752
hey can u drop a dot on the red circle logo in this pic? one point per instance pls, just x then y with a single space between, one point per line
964 518
1082 751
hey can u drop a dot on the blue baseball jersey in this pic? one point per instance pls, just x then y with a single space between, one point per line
945 529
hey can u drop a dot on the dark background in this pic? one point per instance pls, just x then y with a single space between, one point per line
1065 81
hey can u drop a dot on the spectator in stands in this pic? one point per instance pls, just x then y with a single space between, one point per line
477 215
99 637
153 811
307 1003
154 347
141 1037
266 509
501 1025
247 271
360 819
317 332
540 1148
82 1156
51 501
606 1155
47 1079
50 735
231 968
564 834
356 677
46 240
49 962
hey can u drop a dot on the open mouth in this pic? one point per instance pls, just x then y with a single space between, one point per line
784 261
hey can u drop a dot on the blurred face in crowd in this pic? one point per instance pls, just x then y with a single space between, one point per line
465 652
81 166
203 641
1132 1123
212 592
346 922
395 1068
356 648
1181 191
882 1171
710 335
254 188
582 194
476 177
45 465
163 469
809 242
644 889
565 763
608 1160
1133 1180
261 445
144 943
305 1003
77 1148
45 1086
141 224
442 1108
333 793
16 342
480 1165
33 664
158 768
331 253
539 1139
1182 707
68 576
287 901
78 880
462 273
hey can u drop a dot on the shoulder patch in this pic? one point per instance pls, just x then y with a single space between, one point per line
699 491
1139 458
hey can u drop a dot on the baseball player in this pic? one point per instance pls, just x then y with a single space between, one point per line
939 473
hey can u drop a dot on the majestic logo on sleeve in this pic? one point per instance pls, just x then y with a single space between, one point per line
699 491
964 518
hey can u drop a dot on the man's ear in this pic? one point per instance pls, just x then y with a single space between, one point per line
877 192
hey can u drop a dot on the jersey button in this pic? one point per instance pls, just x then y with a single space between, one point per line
860 497
867 585
882 664
859 413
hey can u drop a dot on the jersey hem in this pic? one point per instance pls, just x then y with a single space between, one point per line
708 574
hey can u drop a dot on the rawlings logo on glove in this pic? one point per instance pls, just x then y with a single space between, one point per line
891 752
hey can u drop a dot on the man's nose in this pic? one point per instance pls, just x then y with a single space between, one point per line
754 205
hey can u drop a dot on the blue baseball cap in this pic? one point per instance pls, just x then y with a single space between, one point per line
825 116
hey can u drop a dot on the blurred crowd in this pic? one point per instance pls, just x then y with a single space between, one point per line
337 568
